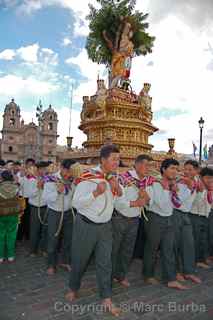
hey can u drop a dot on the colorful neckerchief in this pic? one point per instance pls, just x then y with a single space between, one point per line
175 199
31 177
66 182
126 180
194 186
93 174
209 197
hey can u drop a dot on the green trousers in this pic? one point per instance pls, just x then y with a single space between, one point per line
8 232
184 243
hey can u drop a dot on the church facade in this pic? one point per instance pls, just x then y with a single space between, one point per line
21 141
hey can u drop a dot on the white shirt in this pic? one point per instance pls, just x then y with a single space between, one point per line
99 209
186 196
34 194
130 193
23 181
200 205
160 200
55 200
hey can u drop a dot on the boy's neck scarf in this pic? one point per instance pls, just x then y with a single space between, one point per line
53 178
126 180
93 174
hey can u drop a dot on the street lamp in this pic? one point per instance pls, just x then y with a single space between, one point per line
69 138
201 125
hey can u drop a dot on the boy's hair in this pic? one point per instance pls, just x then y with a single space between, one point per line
30 160
167 163
193 163
206 172
67 163
2 163
107 150
10 161
142 157
42 164
6 175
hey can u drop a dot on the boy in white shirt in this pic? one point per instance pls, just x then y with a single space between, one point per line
160 228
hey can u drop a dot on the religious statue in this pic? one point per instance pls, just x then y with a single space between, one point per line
122 53
144 97
101 94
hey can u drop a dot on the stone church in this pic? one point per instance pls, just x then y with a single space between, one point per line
21 141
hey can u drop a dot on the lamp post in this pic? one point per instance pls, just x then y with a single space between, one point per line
201 125
69 138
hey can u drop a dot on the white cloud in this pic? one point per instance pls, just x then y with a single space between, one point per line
66 42
81 27
90 70
11 85
7 54
29 53
49 57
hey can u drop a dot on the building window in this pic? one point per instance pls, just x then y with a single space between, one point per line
51 117
10 149
50 126
11 138
50 141
49 153
12 122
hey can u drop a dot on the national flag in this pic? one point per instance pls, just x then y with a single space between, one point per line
194 149
205 152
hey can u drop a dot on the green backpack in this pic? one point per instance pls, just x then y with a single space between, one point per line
9 203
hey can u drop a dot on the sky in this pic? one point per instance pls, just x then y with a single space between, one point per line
42 55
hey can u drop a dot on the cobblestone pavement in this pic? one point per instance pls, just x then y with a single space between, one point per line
27 293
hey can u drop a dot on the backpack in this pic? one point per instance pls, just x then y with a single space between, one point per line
9 201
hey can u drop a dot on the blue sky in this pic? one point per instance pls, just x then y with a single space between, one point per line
42 53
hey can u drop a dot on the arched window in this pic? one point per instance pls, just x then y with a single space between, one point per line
12 122
50 126
10 149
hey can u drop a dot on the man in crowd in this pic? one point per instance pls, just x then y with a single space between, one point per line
94 201
57 194
125 219
38 210
184 241
159 228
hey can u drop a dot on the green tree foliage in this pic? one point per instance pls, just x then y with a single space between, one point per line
108 17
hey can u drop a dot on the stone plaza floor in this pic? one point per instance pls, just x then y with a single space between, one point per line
27 293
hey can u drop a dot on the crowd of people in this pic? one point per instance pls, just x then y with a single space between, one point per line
72 214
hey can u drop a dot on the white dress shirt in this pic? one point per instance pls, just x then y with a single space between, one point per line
186 196
34 194
55 200
160 200
99 209
200 205
130 193
23 181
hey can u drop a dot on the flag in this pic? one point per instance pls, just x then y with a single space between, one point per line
205 152
194 149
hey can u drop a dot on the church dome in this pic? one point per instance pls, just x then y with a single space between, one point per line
12 107
50 113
